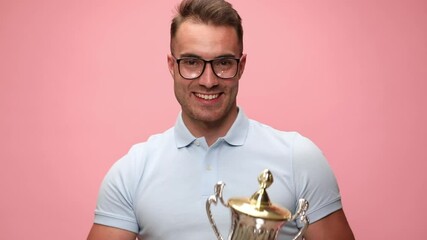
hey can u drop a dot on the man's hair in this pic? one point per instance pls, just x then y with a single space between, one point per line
216 12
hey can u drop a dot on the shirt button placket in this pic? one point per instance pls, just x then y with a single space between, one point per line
211 169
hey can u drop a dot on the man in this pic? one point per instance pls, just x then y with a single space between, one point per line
158 190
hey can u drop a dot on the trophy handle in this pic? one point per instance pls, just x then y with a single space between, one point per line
301 213
214 199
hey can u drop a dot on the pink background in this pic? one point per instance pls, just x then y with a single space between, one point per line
81 81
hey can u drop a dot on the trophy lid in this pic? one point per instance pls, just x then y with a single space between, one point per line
259 204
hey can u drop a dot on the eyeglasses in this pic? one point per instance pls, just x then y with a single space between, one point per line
191 68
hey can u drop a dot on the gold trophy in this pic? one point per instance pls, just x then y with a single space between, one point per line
256 218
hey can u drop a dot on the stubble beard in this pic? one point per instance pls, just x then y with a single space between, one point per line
209 117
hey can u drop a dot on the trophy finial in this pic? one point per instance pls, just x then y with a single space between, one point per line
265 179
260 199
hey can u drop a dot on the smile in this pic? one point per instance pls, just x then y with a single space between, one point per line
207 96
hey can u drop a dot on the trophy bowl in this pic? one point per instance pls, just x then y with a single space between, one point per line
256 218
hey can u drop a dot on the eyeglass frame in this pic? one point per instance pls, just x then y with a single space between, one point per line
178 60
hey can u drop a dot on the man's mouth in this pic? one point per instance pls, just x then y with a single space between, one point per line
207 96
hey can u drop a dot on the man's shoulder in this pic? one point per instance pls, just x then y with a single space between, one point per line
139 152
264 134
261 129
155 138
153 143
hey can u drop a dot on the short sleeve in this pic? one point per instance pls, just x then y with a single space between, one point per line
115 206
314 179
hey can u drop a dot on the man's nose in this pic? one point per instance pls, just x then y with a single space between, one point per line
208 78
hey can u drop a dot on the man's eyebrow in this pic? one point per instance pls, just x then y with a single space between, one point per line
226 56
190 55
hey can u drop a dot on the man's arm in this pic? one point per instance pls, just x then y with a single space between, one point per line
332 227
101 232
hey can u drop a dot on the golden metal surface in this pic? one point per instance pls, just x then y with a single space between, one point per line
259 204
256 218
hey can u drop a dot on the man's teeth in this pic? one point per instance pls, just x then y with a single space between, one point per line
207 97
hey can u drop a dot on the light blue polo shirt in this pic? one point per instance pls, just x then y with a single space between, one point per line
159 188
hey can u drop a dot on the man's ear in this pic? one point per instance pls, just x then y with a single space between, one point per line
242 64
171 64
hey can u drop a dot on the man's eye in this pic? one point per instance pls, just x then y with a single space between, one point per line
191 62
225 62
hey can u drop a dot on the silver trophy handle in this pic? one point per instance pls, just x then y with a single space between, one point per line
301 214
214 199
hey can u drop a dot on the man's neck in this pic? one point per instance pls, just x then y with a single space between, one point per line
211 131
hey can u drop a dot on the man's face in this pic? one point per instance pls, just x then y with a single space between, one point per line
207 99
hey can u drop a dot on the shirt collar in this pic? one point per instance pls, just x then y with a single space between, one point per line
235 136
